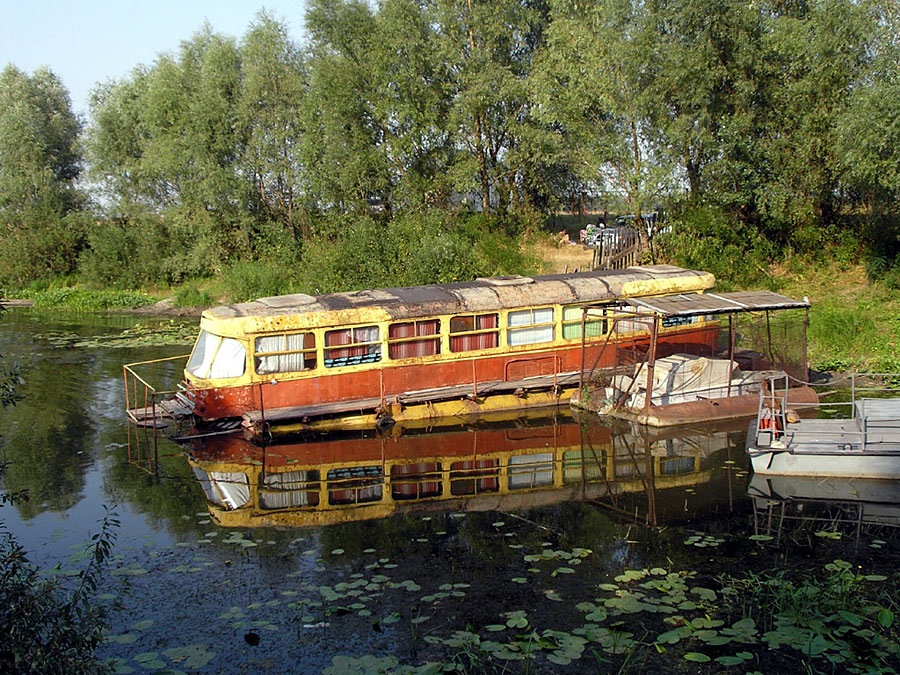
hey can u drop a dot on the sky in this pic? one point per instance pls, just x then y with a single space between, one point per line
87 42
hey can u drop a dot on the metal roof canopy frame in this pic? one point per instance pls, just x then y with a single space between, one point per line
653 310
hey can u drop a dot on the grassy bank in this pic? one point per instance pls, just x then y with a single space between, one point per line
854 324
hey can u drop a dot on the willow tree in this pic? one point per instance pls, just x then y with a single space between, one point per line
40 161
413 105
348 167
40 158
167 144
703 60
488 47
590 80
273 87
819 54
377 107
869 141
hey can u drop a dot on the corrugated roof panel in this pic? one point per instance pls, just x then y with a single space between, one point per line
716 303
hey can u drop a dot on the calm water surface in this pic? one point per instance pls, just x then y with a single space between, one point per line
356 552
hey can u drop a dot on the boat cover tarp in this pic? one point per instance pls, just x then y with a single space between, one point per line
683 373
686 377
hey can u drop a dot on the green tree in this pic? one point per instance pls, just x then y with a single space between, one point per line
869 139
488 48
168 140
820 53
40 158
702 62
592 83
413 105
40 161
273 86
345 132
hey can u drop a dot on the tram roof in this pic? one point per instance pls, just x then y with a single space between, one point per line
483 294
479 295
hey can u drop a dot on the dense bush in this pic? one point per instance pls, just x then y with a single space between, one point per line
409 250
83 300
831 243
48 629
41 247
242 280
144 249
704 238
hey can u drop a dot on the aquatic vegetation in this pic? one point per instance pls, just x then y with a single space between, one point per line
700 625
541 619
83 300
845 618
148 333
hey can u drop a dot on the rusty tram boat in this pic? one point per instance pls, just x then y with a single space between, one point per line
353 360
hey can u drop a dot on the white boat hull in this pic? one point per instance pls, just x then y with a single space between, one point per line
837 464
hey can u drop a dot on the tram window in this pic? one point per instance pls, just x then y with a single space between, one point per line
640 324
215 357
289 489
352 346
471 332
416 481
287 353
530 326
414 338
355 485
595 323
474 477
530 471
228 489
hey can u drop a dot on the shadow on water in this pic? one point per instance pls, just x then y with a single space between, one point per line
551 543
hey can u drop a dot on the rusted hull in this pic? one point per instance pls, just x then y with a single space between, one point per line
691 412
428 413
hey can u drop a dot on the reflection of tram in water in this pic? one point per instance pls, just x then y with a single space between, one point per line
504 466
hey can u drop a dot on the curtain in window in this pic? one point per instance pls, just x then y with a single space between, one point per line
228 489
528 471
202 356
292 361
230 360
482 322
355 354
531 333
469 478
412 348
416 481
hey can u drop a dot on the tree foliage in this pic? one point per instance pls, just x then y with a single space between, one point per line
776 115
40 161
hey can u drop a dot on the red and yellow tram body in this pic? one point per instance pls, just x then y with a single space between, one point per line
488 344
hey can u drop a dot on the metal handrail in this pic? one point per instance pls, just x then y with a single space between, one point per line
150 394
